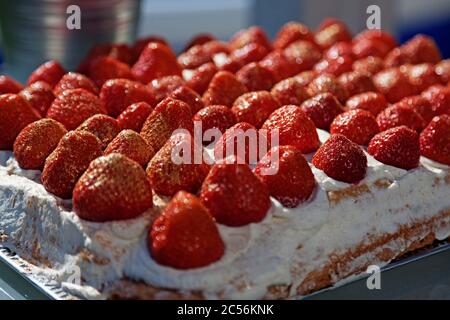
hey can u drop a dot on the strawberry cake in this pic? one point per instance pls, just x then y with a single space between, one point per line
340 159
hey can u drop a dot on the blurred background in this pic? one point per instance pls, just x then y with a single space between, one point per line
32 29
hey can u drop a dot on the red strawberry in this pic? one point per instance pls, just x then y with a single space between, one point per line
398 147
371 65
74 106
293 183
377 34
134 116
169 175
223 89
419 104
370 48
118 94
322 109
163 86
131 144
103 69
103 127
435 140
15 114
397 115
234 195
74 80
341 159
327 83
295 128
141 43
36 141
335 67
201 77
442 69
39 95
65 165
422 49
306 77
421 76
289 91
50 72
120 52
439 98
189 96
371 101
199 39
255 77
214 116
169 115
254 107
302 55
332 33
357 125
393 84
185 236
252 52
251 35
355 82
201 54
339 49
113 187
9 85
291 32
155 61
278 64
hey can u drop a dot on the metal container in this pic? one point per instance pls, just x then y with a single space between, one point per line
34 31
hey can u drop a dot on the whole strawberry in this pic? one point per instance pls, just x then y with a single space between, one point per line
39 95
322 109
335 66
442 69
199 39
105 68
355 82
331 33
377 35
192 98
254 107
398 147
397 115
435 140
131 144
15 114
421 76
73 80
439 98
393 84
289 91
9 85
370 65
50 72
293 183
234 195
252 52
253 34
201 77
339 49
113 187
103 127
291 32
301 56
327 83
134 116
223 89
294 128
201 54
420 105
162 87
118 94
370 101
357 125
215 116
341 159
255 77
305 77
64 166
280 65
185 235
36 141
141 43
74 106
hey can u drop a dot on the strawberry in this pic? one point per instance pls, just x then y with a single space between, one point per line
355 82
223 89
252 52
251 35
370 65
420 49
371 101
439 98
50 72
36 141
397 115
294 182
419 104
156 61
39 95
74 106
291 32
339 49
130 144
113 187
295 128
201 77
370 48
378 35
393 84
199 39
421 76
302 55
168 176
278 64
234 195
201 54
74 80
331 33
162 87
192 98
341 159
435 140
254 107
306 77
398 147
65 165
322 109
104 68
15 114
214 116
169 115
442 69
103 127
327 83
334 67
357 125
9 85
118 94
141 43
396 57
289 91
120 52
185 236
134 116
255 77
